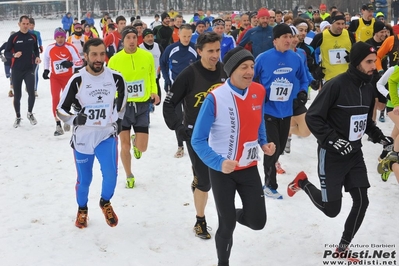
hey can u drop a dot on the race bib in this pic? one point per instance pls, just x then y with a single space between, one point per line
98 114
337 56
280 91
357 128
249 153
58 68
135 89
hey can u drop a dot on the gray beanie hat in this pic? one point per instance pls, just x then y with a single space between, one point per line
234 58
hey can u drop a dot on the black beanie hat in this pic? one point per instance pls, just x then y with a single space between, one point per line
359 51
378 26
146 32
234 58
164 15
281 29
128 29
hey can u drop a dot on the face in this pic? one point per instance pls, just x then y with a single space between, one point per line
283 43
279 18
178 22
166 21
367 14
302 33
149 39
367 66
323 11
78 29
210 54
244 21
87 29
139 29
171 23
31 26
347 17
380 36
263 21
60 40
201 28
219 29
201 13
243 74
185 36
254 21
288 21
337 27
227 26
95 59
130 43
24 25
316 15
272 17
208 13
381 19
294 42
121 24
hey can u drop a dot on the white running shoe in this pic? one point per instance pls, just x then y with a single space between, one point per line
67 127
17 122
31 118
272 193
58 131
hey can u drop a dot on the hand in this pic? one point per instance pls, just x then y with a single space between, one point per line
184 133
45 74
228 166
343 146
17 54
347 57
302 97
3 59
41 49
155 98
80 118
38 60
66 64
387 143
269 148
315 84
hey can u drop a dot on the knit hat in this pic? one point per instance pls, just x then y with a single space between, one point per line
164 15
263 12
281 29
323 7
77 26
200 22
253 14
147 31
234 58
324 24
378 26
294 30
359 51
128 29
59 32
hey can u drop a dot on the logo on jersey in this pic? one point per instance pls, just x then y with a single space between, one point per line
201 95
283 70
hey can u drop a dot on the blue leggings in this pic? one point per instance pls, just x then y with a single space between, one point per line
107 155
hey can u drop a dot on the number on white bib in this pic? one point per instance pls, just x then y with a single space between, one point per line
337 56
280 91
58 68
249 153
357 128
98 114
135 89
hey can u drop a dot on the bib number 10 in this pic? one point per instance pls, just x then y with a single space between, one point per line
252 154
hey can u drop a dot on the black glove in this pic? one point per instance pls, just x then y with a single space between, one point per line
80 118
380 73
183 133
346 57
318 73
387 143
45 74
66 64
119 124
302 97
342 146
315 84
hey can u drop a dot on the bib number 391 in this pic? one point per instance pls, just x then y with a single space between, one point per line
135 89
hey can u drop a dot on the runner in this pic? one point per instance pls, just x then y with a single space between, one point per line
138 69
95 127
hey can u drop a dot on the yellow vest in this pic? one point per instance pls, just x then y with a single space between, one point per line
332 51
364 32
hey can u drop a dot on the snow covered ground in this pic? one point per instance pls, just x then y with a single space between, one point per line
37 178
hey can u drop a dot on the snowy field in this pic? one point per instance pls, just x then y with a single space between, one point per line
37 178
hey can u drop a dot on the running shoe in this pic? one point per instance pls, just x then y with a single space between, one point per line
382 117
346 255
109 214
31 118
287 148
58 131
385 176
279 169
294 187
10 94
130 181
17 122
385 164
180 152
271 193
81 218
67 127
201 230
136 152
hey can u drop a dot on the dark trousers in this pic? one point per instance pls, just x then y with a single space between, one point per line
253 213
277 130
18 77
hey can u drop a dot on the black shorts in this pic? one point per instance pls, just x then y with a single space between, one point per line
337 171
298 109
200 170
136 115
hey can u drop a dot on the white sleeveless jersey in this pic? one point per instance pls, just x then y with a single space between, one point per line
156 53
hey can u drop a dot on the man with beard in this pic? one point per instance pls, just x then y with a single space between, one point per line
338 118
163 33
91 92
335 45
261 36
137 68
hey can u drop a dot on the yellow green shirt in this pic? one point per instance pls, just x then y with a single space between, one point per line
393 87
138 70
